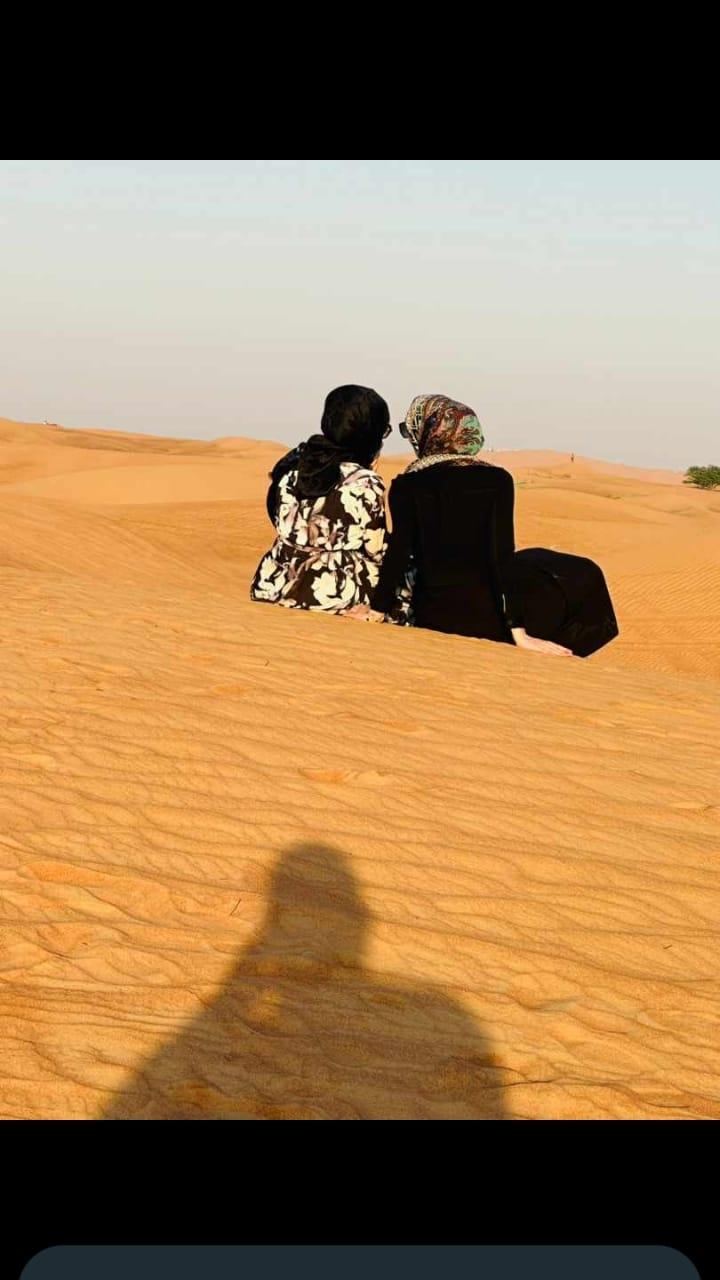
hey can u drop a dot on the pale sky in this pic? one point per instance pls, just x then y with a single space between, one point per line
574 304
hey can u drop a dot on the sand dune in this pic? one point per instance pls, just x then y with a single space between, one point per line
265 864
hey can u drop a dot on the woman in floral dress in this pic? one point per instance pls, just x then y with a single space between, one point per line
327 505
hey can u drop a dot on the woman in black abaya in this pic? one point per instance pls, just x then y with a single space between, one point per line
453 541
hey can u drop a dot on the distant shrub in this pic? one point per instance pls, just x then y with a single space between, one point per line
703 477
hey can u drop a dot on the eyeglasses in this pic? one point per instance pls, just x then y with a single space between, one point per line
387 431
403 429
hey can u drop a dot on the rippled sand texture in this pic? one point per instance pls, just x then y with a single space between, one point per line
265 864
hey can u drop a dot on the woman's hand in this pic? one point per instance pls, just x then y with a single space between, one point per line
524 641
363 613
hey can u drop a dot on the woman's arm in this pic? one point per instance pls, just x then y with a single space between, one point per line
504 548
373 525
366 498
399 553
281 468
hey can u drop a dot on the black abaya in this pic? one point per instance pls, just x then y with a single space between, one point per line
454 526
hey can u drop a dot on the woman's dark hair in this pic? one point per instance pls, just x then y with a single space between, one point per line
353 425
355 420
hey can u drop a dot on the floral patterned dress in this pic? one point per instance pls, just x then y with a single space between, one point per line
328 550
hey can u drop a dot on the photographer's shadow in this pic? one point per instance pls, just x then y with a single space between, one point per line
302 1031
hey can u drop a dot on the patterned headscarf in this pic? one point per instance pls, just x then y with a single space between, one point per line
441 430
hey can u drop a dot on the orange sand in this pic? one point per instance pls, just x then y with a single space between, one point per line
258 863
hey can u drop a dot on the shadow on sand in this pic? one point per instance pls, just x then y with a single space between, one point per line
302 1031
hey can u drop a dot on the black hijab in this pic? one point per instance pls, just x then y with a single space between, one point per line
353 427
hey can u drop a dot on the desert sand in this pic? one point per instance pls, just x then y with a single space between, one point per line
268 864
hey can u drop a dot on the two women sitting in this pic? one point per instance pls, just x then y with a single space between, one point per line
450 562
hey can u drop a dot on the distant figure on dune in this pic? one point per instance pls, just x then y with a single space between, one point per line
572 457
453 540
327 505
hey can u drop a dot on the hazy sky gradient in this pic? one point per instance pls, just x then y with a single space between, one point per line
573 303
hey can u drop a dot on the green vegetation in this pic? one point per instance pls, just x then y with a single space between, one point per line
703 477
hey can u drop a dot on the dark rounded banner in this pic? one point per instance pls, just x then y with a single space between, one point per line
359 1262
